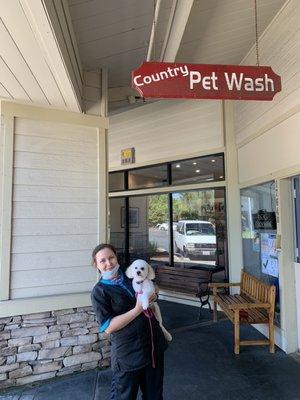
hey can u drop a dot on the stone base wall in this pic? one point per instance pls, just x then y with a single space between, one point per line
40 346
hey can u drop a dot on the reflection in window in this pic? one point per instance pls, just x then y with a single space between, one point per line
199 229
195 170
196 239
148 177
116 181
117 226
150 240
200 234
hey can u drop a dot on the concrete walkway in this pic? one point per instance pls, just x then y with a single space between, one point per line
200 364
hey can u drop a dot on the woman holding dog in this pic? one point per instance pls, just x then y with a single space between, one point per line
137 344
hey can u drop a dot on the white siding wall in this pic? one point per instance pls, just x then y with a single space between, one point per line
1 170
273 154
279 47
55 208
267 134
166 130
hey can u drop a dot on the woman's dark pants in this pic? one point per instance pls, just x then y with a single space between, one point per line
125 385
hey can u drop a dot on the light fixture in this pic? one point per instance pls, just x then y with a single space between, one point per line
197 170
194 163
213 160
221 177
177 165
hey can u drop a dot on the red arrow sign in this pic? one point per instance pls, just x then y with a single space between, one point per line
206 81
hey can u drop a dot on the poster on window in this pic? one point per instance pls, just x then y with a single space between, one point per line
268 254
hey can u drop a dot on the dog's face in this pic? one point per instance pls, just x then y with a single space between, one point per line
139 270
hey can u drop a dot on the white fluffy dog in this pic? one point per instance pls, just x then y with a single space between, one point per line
142 274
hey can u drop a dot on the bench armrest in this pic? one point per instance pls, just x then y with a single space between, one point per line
203 288
245 306
223 284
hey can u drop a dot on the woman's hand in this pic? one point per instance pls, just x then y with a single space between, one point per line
153 297
138 307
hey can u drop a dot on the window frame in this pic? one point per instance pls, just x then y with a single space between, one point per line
296 212
170 193
169 182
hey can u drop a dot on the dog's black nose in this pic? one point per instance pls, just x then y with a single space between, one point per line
138 272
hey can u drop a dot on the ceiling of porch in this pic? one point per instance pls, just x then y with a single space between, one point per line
116 34
46 45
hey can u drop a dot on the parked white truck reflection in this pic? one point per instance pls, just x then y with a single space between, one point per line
195 238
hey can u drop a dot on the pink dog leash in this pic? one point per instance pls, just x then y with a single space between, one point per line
149 314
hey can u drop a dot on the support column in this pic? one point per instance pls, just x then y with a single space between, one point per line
95 92
95 96
233 205
6 180
288 312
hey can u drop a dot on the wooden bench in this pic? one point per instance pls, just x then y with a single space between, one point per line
253 305
188 281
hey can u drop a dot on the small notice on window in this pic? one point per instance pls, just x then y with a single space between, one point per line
268 254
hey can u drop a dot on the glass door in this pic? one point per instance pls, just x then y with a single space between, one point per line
297 216
297 244
259 230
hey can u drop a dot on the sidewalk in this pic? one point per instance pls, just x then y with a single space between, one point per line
200 365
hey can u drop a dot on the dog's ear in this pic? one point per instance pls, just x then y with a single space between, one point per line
129 272
151 273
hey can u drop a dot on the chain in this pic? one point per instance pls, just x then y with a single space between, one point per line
154 30
256 34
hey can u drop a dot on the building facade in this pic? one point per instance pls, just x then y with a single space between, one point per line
56 150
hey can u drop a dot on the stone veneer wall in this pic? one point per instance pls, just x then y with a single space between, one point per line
40 346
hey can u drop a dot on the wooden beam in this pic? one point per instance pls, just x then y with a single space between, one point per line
176 26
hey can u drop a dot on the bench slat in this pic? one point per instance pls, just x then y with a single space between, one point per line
183 280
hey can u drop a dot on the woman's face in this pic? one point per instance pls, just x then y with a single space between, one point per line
105 260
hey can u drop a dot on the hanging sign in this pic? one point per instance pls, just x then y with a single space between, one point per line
264 220
205 81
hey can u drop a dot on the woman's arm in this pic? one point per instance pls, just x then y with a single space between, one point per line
120 321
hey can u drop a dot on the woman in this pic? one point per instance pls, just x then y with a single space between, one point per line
137 341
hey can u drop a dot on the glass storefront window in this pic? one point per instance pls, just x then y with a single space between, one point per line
200 232
196 170
186 229
155 176
148 228
149 239
196 238
116 181
259 230
117 227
